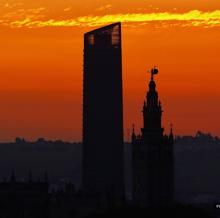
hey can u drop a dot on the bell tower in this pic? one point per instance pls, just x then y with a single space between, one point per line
152 151
152 111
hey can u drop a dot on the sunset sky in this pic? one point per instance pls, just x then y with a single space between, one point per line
41 63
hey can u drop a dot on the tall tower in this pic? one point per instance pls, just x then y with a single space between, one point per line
103 112
153 166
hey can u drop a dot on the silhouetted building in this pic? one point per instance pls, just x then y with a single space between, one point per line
103 112
24 199
153 164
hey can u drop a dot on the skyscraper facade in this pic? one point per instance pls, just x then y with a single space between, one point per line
103 112
152 151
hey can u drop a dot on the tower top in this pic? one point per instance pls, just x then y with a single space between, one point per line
154 71
104 37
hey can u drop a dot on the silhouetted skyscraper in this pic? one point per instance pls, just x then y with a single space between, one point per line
153 165
103 112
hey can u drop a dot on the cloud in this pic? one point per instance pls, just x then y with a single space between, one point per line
8 5
27 11
192 18
102 8
22 14
67 9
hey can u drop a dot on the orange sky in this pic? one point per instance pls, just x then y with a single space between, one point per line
41 60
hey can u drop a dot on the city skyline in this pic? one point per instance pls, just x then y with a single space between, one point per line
111 171
41 67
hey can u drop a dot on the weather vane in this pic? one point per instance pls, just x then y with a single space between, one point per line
154 71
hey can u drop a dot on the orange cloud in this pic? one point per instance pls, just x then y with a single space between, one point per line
191 18
8 5
102 8
33 13
67 9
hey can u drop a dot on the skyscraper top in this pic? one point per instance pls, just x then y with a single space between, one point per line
104 37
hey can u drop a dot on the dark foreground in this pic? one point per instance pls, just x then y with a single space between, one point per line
175 211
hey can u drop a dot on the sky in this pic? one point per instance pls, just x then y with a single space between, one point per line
41 63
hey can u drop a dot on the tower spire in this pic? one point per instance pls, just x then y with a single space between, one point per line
171 132
133 133
152 110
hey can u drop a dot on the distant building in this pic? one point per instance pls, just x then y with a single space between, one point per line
103 112
24 199
152 151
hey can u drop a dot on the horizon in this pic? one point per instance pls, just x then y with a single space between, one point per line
42 56
24 140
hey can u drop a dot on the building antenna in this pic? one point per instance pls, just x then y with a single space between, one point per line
128 134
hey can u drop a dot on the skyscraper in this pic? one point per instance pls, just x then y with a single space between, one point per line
103 112
153 164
